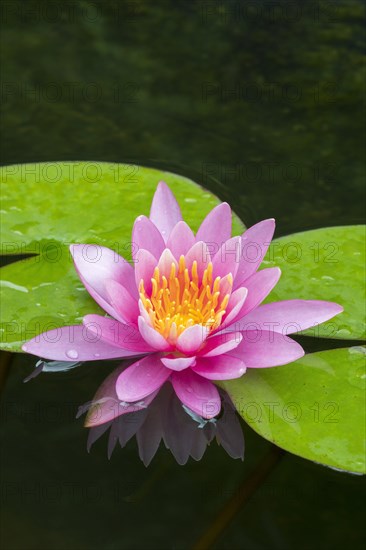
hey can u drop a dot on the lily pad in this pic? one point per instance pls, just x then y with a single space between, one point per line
324 264
47 206
38 294
314 407
87 202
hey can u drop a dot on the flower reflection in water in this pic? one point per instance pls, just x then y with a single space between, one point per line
160 417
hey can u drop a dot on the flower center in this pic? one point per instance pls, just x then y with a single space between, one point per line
182 299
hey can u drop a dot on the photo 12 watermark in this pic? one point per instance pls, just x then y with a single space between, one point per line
72 92
281 12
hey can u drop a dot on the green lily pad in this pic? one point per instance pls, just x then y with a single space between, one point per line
87 202
314 407
324 264
66 202
39 294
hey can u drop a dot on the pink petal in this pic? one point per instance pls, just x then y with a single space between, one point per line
146 235
290 316
165 263
262 349
74 342
201 254
178 363
152 336
259 285
106 406
116 334
192 338
181 240
227 258
226 285
197 393
94 264
144 314
255 242
219 344
165 211
216 227
141 379
144 268
222 367
126 306
234 307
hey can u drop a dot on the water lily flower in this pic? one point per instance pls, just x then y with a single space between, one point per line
161 419
189 308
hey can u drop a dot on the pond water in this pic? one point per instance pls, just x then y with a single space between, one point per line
259 103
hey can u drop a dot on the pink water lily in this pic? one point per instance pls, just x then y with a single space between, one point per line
189 308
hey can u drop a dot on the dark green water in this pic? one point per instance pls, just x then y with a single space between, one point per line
260 103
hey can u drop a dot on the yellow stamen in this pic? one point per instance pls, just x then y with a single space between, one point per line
183 299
